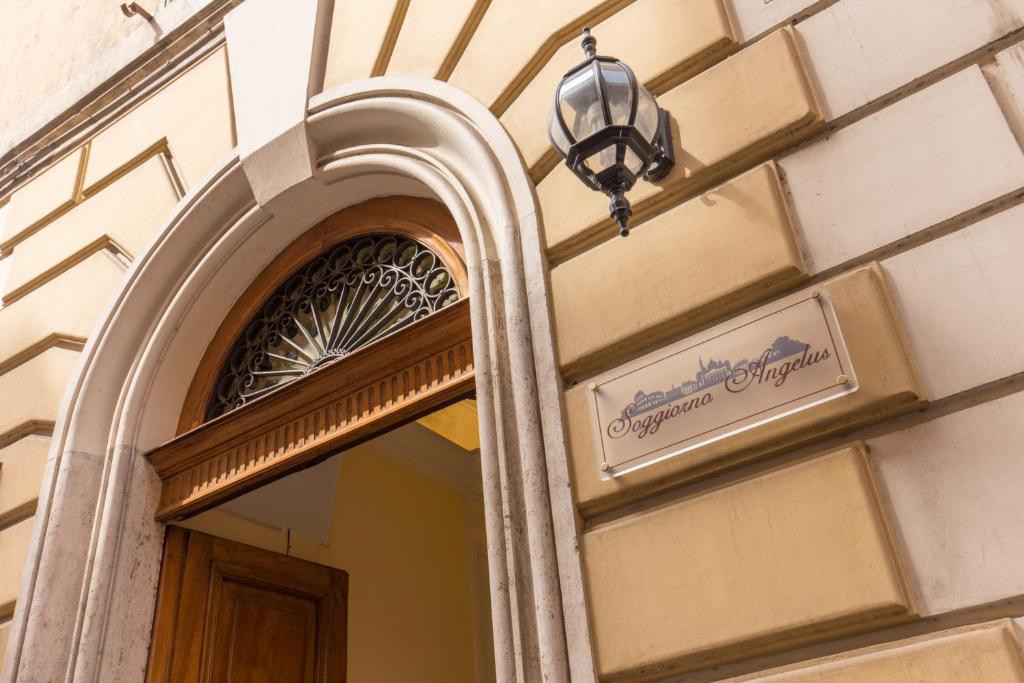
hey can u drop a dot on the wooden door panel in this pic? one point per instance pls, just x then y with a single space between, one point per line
228 612
251 627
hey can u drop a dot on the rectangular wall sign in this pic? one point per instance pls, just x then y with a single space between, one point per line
773 362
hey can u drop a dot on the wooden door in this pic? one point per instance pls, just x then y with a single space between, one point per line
228 612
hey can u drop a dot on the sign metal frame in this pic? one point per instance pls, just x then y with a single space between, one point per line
614 421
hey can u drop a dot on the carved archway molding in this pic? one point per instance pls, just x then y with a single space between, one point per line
378 386
86 603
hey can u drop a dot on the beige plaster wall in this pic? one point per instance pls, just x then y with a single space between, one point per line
67 236
988 652
854 139
65 36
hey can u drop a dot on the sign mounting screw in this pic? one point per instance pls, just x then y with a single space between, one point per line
592 386
815 294
842 379
605 467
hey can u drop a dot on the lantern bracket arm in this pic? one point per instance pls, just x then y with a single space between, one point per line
665 153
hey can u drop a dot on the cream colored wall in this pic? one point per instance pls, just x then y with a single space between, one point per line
72 34
406 539
67 236
846 140
849 135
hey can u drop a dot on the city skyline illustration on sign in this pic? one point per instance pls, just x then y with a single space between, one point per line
711 374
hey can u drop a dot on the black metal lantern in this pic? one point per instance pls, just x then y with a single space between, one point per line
610 129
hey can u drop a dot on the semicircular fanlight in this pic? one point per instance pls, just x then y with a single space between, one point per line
355 293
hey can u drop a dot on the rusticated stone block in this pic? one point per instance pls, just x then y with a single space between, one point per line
30 394
957 290
358 30
492 65
859 51
787 558
954 489
987 652
13 549
125 213
64 308
753 18
51 192
21 472
888 176
428 36
191 116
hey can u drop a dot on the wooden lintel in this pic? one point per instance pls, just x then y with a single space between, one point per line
380 386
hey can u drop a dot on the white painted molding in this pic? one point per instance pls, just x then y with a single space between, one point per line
85 608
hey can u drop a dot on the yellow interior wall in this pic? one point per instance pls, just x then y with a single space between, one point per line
402 537
457 423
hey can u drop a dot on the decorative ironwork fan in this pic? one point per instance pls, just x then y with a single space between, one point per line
357 292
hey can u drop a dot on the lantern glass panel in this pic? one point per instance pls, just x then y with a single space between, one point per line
633 162
556 134
647 115
602 159
618 92
580 104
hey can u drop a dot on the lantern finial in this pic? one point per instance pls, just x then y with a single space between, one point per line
621 211
589 43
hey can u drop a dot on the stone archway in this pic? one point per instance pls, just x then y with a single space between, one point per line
86 603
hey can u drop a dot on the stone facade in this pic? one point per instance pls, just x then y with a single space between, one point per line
868 149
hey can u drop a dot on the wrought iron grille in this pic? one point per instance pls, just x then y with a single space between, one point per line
358 291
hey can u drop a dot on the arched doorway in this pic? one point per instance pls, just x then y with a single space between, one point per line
86 605
337 400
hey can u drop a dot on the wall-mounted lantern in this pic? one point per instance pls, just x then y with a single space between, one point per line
610 129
